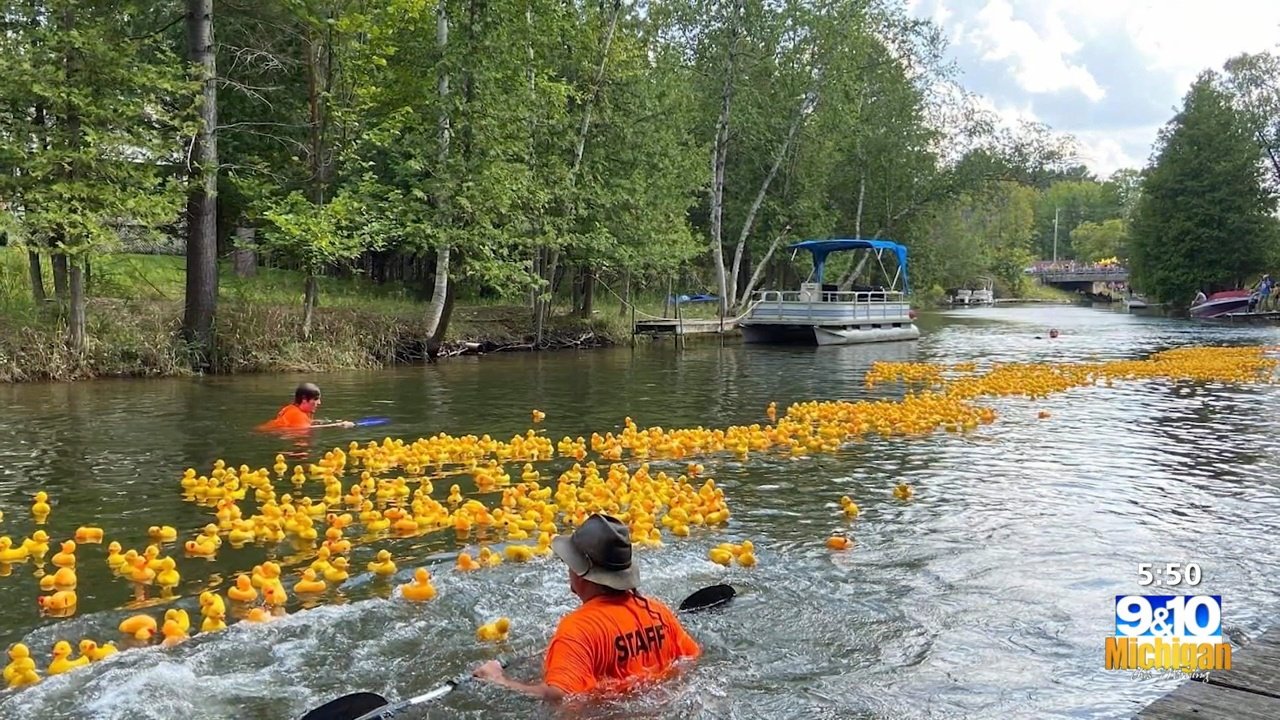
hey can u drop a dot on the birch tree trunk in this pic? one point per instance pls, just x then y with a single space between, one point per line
202 226
309 293
435 309
719 153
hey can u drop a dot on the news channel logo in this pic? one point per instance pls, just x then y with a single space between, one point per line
1168 632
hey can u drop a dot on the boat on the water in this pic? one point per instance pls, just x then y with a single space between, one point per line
821 314
964 297
1221 303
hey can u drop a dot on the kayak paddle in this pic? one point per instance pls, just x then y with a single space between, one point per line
371 706
366 422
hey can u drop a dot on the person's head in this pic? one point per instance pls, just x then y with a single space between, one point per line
1053 333
307 397
599 557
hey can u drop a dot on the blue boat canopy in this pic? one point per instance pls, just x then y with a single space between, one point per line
822 248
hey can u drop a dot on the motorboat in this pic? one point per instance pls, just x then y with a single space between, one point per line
1221 303
820 314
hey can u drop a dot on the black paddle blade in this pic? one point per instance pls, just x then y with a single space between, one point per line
708 597
347 707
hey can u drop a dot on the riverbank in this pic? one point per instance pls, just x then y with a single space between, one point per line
134 314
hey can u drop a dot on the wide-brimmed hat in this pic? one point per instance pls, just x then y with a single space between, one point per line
600 551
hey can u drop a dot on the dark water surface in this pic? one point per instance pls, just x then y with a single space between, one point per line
988 595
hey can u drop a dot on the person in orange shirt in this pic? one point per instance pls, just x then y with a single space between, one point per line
617 637
299 414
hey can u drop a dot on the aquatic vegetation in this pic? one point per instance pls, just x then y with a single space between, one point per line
356 495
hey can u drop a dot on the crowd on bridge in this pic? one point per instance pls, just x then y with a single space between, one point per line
1105 265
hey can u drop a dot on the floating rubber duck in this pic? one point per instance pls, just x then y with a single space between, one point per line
135 624
466 562
179 616
721 556
1043 414
115 560
214 620
61 662
40 508
495 631
382 565
455 495
10 554
309 584
274 595
903 491
96 652
37 545
518 553
168 575
538 416
173 633
243 591
839 542
162 533
849 507
57 602
21 669
488 558
88 534
420 588
63 579
67 557
139 572
336 573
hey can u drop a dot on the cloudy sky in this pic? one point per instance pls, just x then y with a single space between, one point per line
1110 72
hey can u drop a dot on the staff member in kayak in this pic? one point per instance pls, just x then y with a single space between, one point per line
617 637
300 414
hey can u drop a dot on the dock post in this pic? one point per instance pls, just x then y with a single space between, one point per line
633 324
680 323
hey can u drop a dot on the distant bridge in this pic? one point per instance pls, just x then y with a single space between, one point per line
1096 281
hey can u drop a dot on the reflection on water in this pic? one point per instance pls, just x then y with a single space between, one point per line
988 595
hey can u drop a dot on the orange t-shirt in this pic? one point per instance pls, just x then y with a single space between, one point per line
611 641
290 417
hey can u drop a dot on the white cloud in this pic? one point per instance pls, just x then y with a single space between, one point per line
1039 57
1110 72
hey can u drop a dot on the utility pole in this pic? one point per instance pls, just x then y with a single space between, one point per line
1055 235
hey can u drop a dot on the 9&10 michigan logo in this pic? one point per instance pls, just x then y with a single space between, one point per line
1168 632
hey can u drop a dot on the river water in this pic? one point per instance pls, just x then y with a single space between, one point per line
987 595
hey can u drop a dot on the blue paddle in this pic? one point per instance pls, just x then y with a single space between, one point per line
366 422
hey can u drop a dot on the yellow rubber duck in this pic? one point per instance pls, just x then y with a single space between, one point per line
488 558
88 534
173 634
721 556
337 571
134 624
21 669
309 584
903 491
40 508
495 631
60 601
274 595
466 562
37 545
168 575
67 557
257 615
849 507
61 661
382 565
839 542
518 553
9 554
455 495
243 591
214 620
96 652
63 579
179 616
420 588
140 573
115 560
162 533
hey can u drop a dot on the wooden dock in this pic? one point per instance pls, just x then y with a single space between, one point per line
1251 318
684 326
1250 690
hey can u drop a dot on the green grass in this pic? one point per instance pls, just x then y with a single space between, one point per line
135 306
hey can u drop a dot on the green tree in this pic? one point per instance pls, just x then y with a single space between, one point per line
1094 241
1204 221
110 107
1254 83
